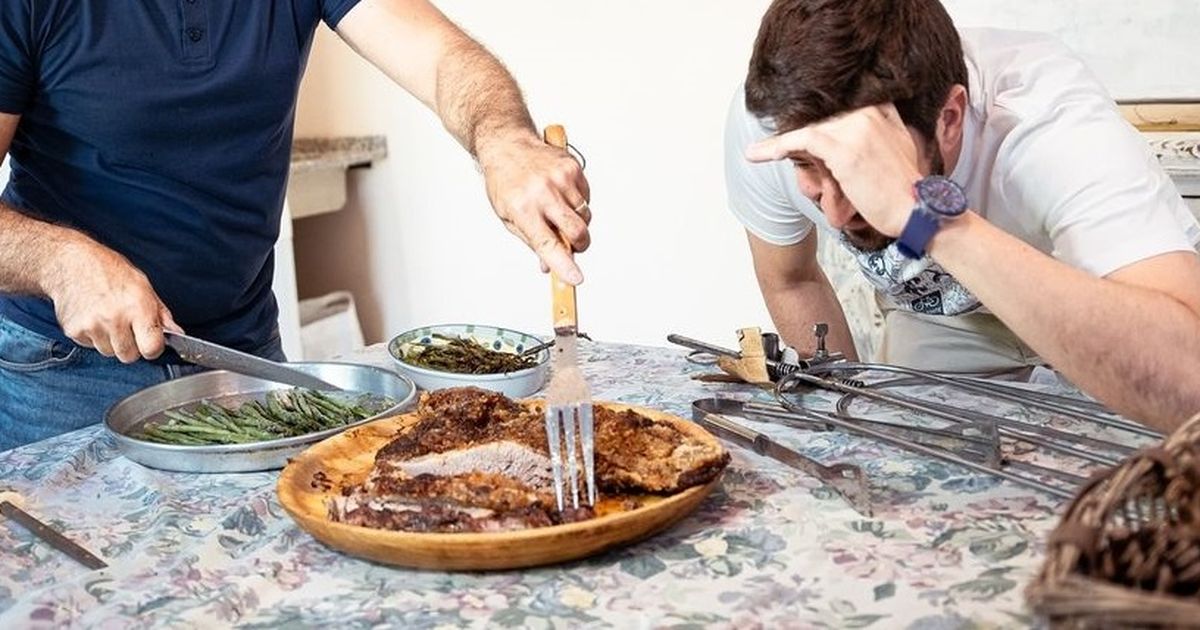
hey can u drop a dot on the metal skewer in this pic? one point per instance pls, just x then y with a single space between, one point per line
1016 429
920 448
1010 428
996 391
1079 404
985 445
990 455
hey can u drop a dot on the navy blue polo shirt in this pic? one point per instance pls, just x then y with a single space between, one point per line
162 129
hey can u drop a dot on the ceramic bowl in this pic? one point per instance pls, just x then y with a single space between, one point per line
512 384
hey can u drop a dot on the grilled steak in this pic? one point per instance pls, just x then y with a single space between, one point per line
637 454
452 419
478 461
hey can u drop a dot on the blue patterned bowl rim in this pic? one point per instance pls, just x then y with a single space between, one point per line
496 337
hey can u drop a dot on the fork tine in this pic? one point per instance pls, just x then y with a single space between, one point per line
555 446
572 460
587 439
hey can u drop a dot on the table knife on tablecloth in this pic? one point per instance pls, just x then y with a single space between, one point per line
47 534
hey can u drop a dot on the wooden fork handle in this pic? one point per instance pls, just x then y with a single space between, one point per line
563 293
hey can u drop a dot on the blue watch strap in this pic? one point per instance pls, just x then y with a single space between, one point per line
919 230
939 199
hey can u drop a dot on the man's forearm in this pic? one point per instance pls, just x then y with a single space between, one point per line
538 191
796 307
28 249
427 54
477 99
1136 349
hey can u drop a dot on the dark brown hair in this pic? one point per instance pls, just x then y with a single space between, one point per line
817 58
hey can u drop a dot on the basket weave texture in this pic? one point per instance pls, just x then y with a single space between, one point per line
1127 551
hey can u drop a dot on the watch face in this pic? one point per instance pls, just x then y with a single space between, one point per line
942 195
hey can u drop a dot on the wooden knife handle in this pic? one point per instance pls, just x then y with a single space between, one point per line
563 294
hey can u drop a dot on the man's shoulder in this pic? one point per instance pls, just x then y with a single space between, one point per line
764 196
990 39
742 129
1024 76
741 126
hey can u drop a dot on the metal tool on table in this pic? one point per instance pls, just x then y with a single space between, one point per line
825 363
997 433
1046 437
923 449
772 346
846 479
1060 405
972 439
218 357
568 398
1071 404
978 442
1101 451
9 509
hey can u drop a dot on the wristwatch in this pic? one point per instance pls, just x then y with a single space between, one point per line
939 200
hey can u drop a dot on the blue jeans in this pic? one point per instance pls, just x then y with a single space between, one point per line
49 387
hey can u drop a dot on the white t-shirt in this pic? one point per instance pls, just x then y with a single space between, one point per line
1046 157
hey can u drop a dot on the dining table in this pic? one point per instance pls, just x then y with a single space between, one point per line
770 547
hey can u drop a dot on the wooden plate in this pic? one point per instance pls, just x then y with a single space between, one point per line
347 458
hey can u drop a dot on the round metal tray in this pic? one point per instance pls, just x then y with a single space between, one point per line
126 418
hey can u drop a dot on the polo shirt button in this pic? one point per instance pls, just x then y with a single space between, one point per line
195 34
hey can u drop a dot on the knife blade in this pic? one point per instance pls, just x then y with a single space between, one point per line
218 357
48 535
847 480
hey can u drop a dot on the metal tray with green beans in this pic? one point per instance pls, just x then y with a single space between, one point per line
219 421
280 414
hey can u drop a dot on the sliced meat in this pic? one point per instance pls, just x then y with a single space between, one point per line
474 502
477 461
509 459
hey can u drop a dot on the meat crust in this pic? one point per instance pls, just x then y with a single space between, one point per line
477 461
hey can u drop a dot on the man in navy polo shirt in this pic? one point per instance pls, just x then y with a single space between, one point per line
149 146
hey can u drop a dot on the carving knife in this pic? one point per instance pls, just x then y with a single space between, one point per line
218 357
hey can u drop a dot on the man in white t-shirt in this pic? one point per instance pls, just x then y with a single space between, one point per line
988 187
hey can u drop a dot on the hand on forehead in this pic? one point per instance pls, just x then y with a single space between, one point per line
820 140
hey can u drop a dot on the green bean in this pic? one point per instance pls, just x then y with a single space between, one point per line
331 413
280 413
465 355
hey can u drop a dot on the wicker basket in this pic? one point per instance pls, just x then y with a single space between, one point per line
1127 552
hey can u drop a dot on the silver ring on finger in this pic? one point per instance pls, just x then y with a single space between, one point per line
582 207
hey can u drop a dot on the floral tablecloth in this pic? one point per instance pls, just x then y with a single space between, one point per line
771 548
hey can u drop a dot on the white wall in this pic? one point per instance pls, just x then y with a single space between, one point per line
642 88
1140 50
